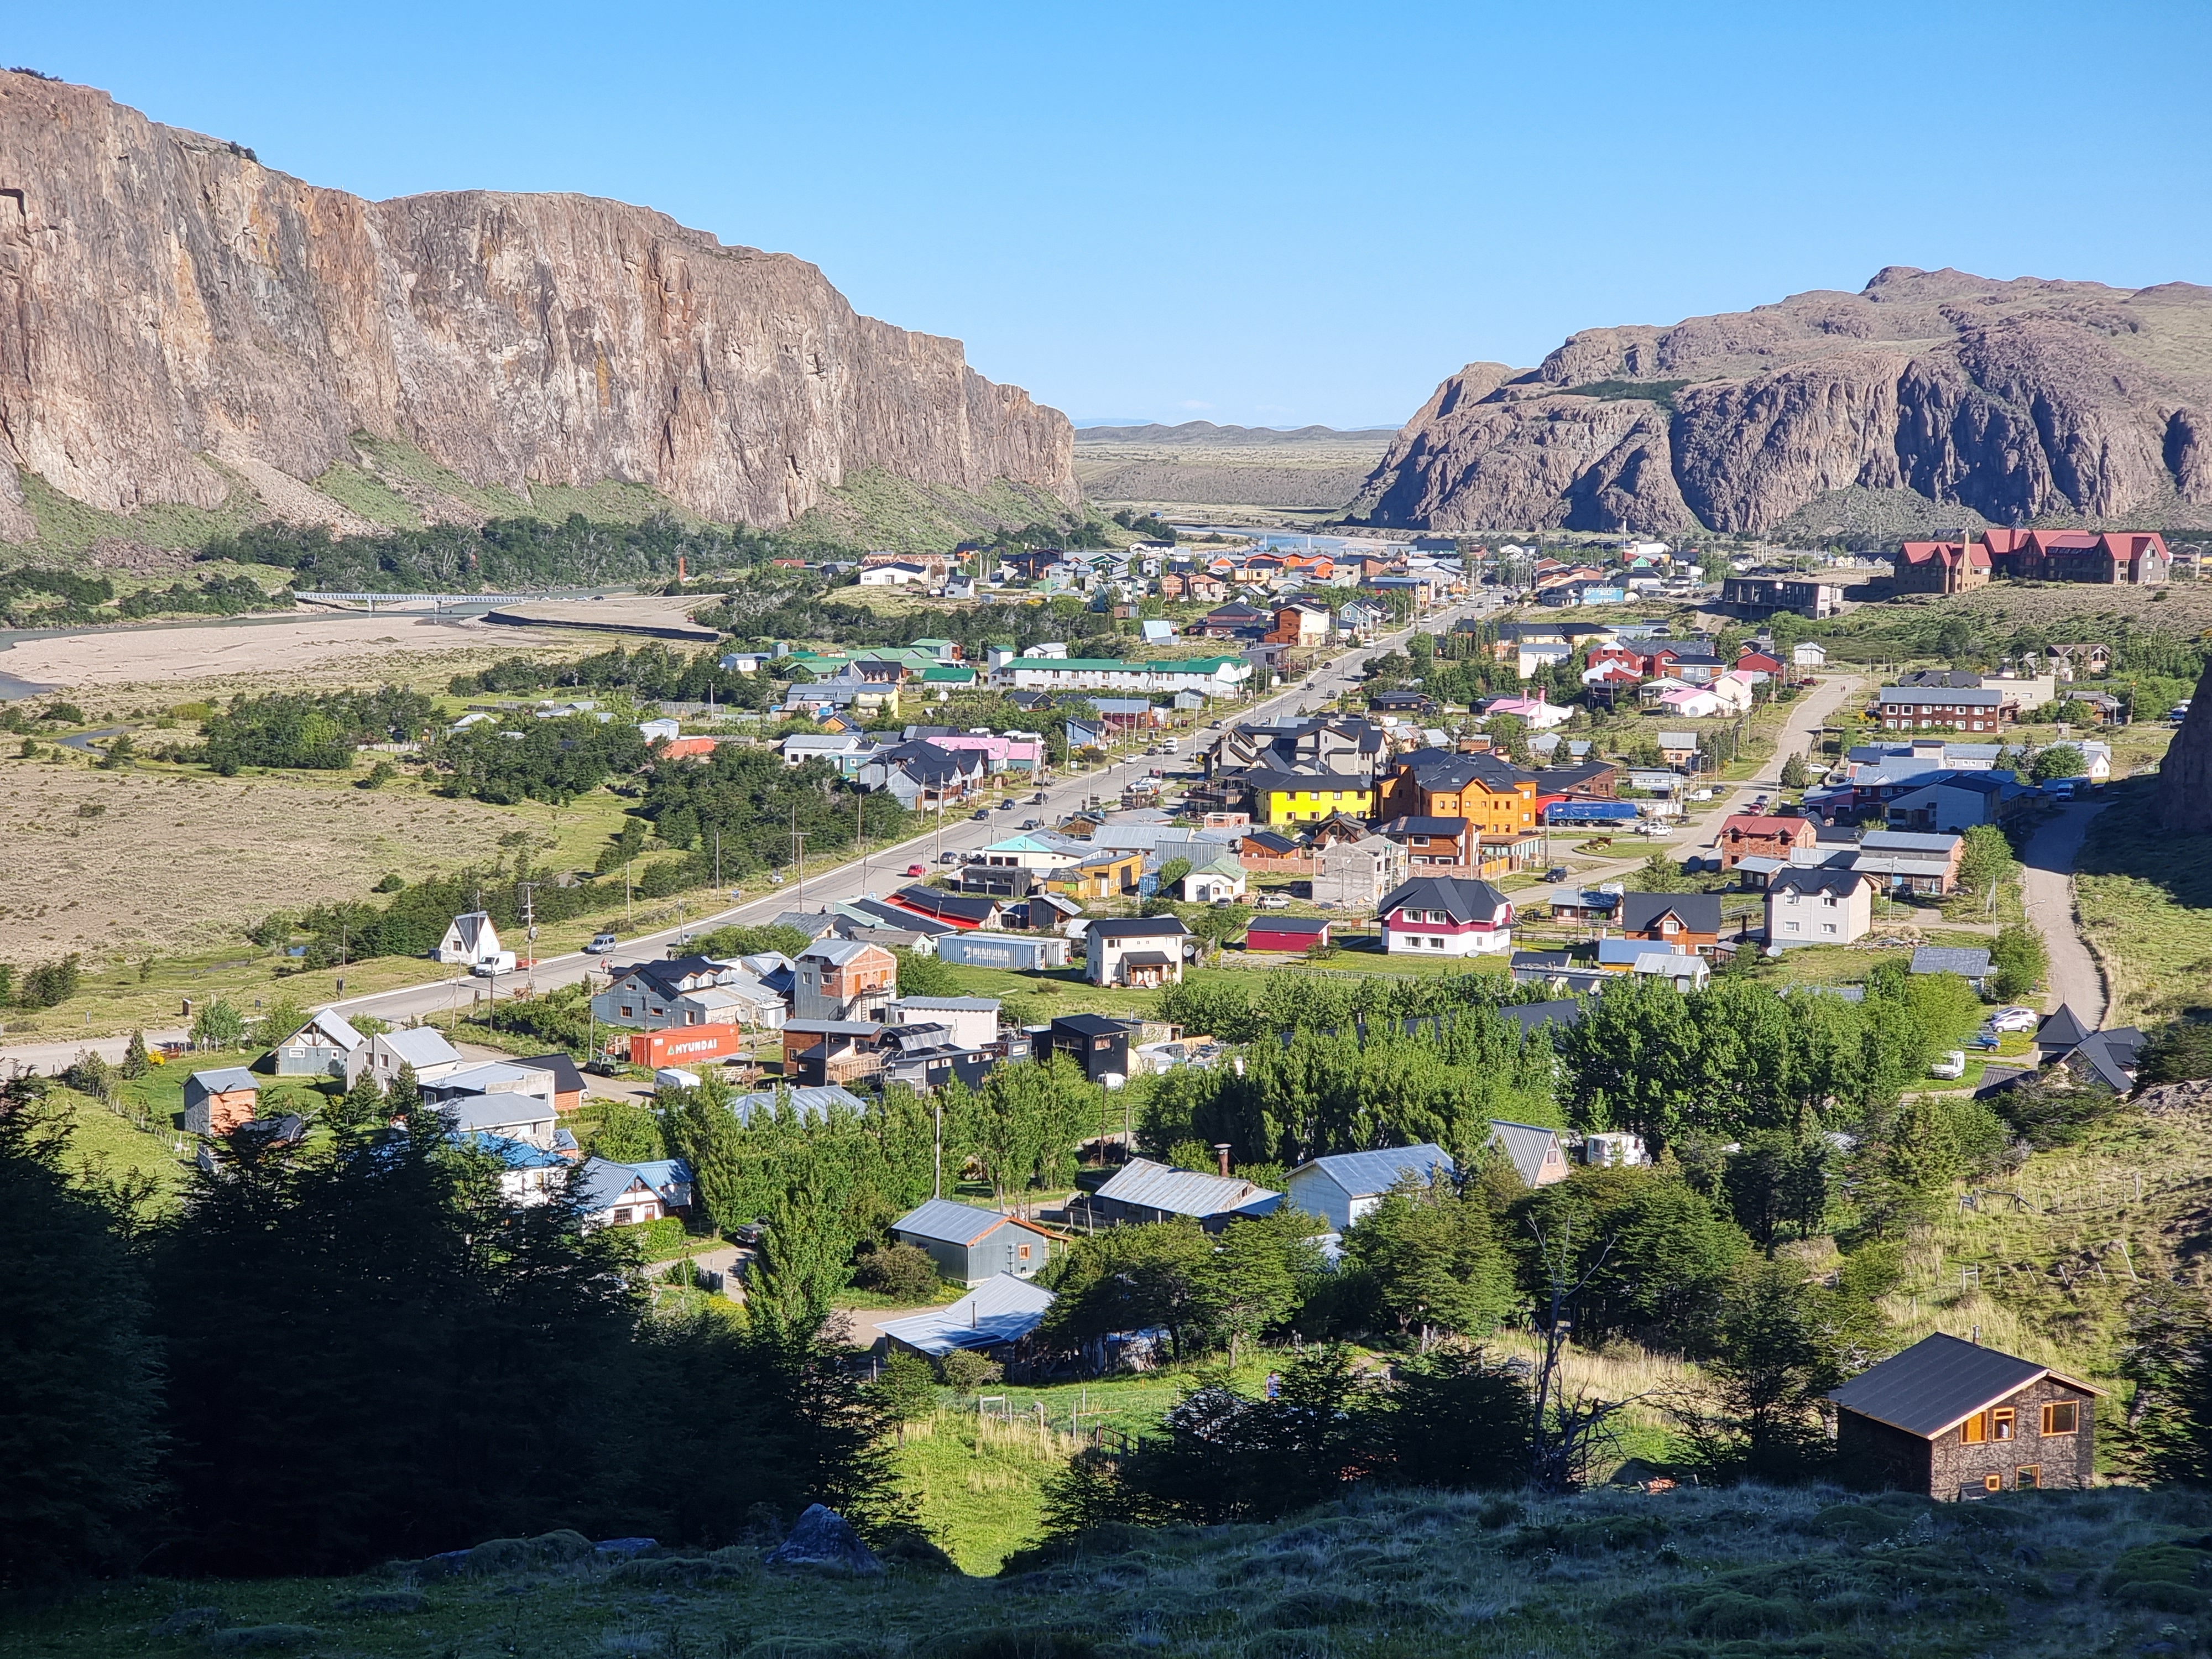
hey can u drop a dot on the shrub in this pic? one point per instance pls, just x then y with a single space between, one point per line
896 1270
967 1371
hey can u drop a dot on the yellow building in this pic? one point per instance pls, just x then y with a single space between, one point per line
1280 797
1103 875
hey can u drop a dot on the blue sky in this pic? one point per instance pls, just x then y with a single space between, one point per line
1268 214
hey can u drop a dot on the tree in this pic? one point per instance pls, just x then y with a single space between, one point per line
1435 1261
2018 961
1794 776
1457 1420
2060 760
1777 1348
805 1256
1259 1273
136 1062
1022 1124
1986 859
1171 877
628 1132
218 1026
1660 873
281 1018
925 976
2167 1354
2178 1051
1775 1181
80 1391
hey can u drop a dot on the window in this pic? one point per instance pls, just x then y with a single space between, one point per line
1828 928
1993 1483
2002 1423
2027 1477
1022 1250
621 1218
1975 1430
2061 1416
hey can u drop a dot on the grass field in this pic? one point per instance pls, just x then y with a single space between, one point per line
2145 901
1748 1573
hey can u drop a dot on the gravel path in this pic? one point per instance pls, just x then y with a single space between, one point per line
2048 885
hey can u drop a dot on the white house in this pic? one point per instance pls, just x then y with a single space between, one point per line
893 575
1822 905
421 1047
469 939
1221 876
803 746
1345 1185
513 1116
654 730
974 1020
1806 654
1137 951
1360 872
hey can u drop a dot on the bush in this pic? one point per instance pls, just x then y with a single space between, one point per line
2018 960
967 1371
896 1270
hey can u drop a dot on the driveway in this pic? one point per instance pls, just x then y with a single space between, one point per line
2047 886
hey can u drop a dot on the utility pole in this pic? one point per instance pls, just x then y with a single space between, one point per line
799 856
529 891
718 855
937 1180
629 914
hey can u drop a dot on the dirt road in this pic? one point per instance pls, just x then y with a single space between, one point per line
2047 886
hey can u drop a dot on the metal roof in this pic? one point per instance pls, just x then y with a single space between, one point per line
605 1181
1967 964
224 1079
1365 1174
1526 1145
1698 912
491 1111
951 1004
1938 1383
807 1102
1184 1192
1000 1310
949 1223
421 1046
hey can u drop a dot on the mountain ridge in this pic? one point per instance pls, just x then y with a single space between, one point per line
2025 400
178 318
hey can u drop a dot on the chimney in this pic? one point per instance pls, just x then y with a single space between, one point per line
1221 1150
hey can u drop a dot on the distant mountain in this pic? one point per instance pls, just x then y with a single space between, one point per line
1205 432
187 328
2022 401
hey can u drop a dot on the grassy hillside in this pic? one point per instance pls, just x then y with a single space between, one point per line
1744 1574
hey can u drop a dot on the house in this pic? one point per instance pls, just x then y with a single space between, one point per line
827 1052
957 911
421 1048
1818 906
1343 1187
1745 834
1640 959
1940 566
568 1081
1677 749
1137 951
1099 876
318 1048
974 1020
1357 874
469 939
1447 915
618 1195
2111 1058
1221 876
1141 1191
651 996
1235 620
1023 953
1280 798
514 1116
1971 965
491 1077
218 1101
1534 1151
972 1246
842 979
1272 851
1498 797
1762 596
1941 708
1291 933
1952 803
1533 713
1098 1044
1600 904
1436 845
1681 921
1950 1420
993 1318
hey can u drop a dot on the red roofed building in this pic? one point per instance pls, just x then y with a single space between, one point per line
1940 566
1748 835
2126 558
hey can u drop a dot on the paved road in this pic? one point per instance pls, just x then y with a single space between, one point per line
2047 886
880 871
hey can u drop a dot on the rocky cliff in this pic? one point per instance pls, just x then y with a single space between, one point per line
2018 401
178 322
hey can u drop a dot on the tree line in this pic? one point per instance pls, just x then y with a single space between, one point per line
358 1349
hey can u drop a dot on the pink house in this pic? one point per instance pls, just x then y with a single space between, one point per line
1446 915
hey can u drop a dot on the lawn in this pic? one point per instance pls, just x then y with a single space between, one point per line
2145 902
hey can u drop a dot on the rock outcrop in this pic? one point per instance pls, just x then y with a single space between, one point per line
2018 400
176 319
2185 776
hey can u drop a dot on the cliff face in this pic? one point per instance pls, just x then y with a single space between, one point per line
164 297
2020 400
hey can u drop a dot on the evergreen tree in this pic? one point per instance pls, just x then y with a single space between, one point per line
80 1384
137 1063
1435 1261
805 1255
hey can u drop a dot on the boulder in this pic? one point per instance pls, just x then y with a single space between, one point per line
825 1539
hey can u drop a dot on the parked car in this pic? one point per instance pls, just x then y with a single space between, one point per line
1952 1065
917 869
1273 901
602 944
1557 873
948 858
2013 1020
